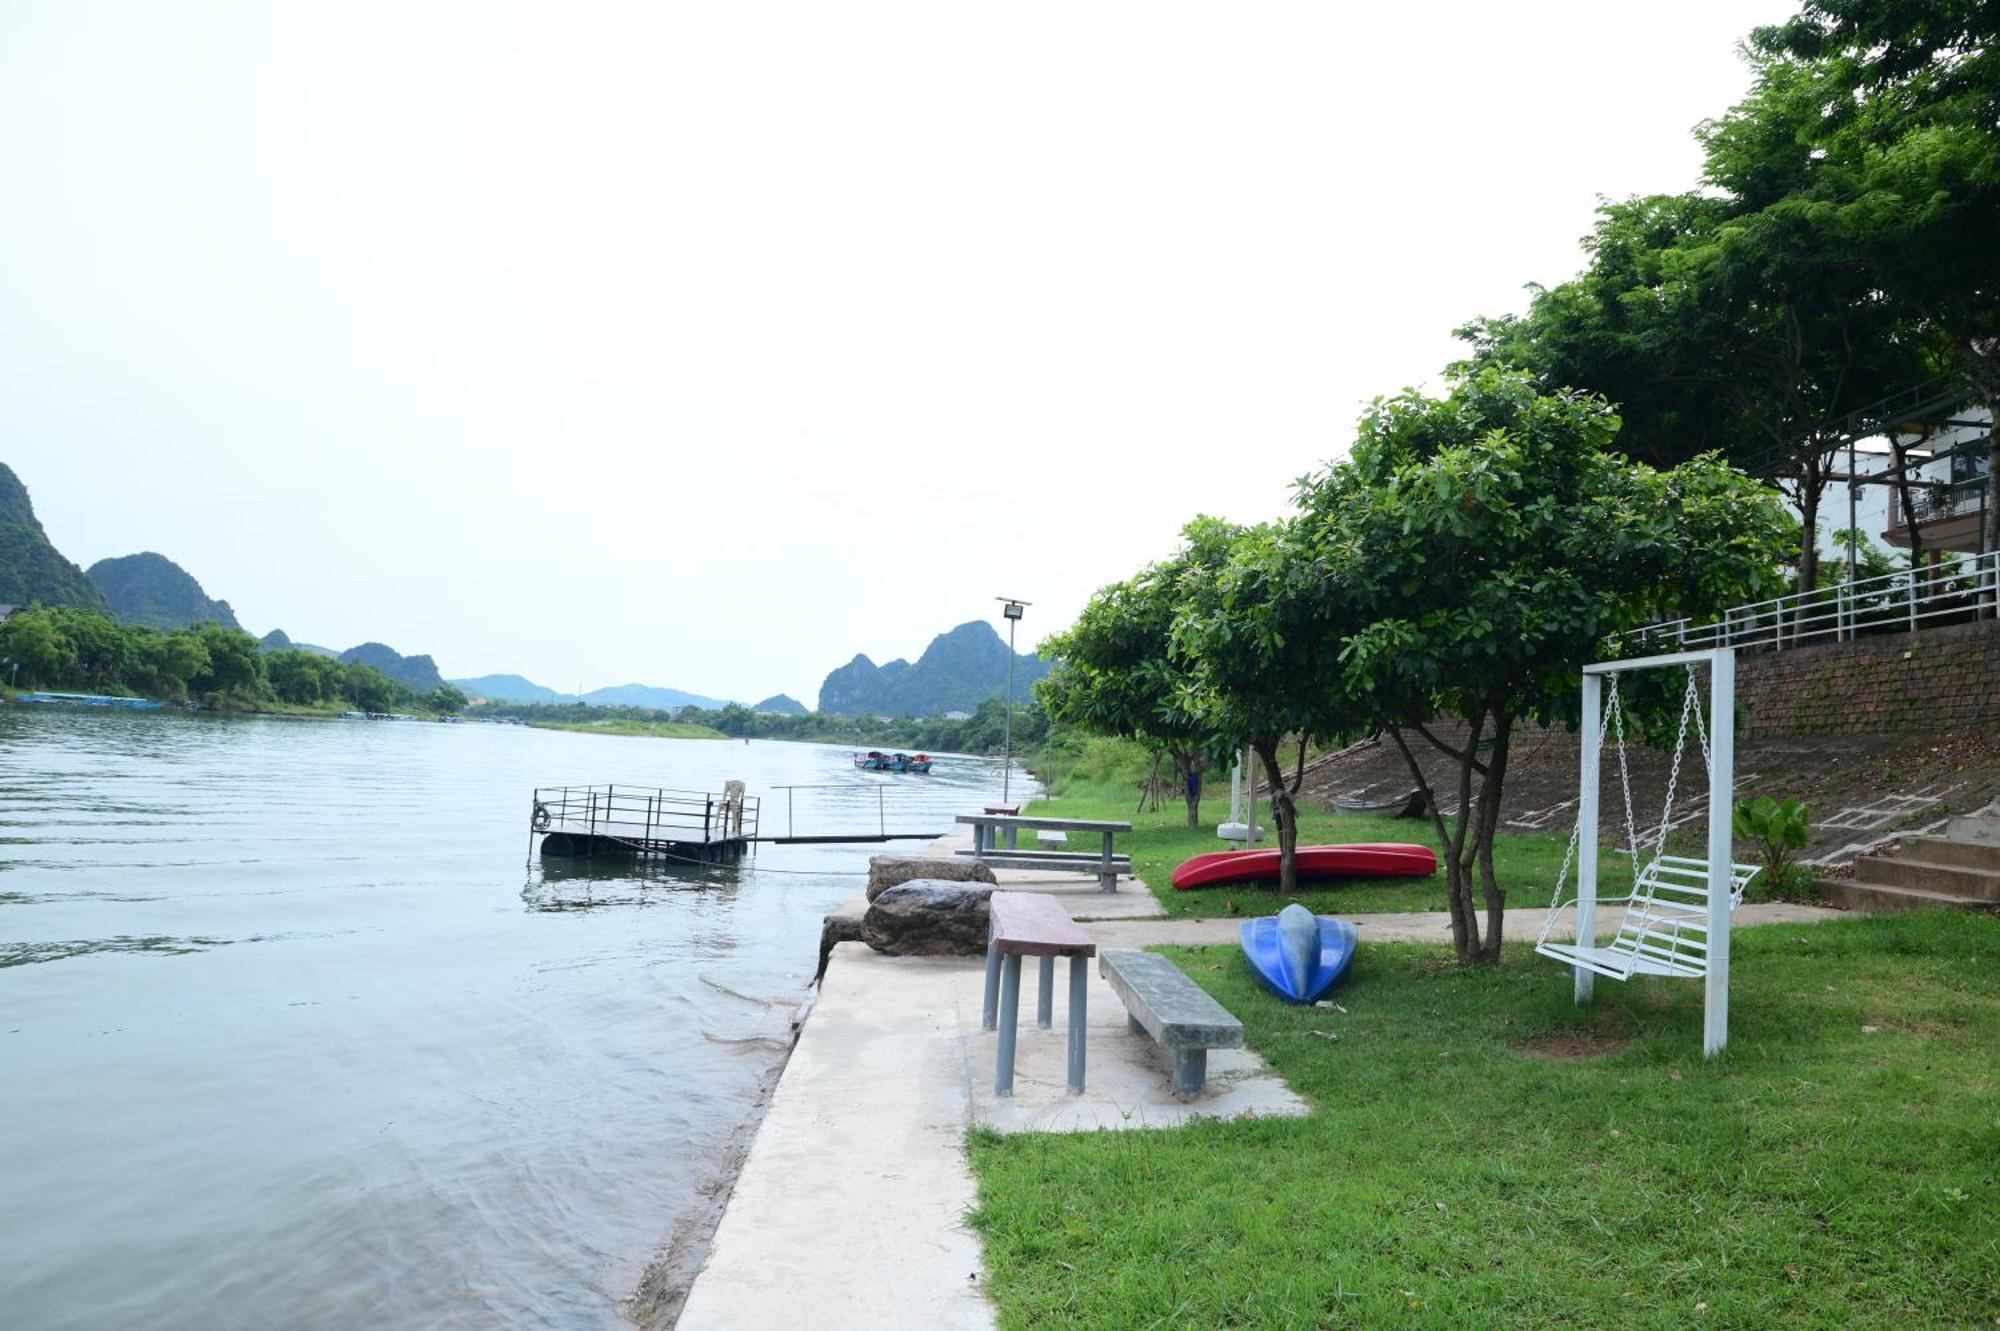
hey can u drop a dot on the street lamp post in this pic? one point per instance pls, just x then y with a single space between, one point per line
1011 608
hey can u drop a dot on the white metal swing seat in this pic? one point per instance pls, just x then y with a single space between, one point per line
1665 929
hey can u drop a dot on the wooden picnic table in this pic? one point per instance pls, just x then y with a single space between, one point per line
986 828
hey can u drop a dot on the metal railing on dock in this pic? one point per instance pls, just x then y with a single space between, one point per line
846 797
646 816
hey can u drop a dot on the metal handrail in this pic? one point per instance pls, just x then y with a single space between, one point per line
642 810
1967 588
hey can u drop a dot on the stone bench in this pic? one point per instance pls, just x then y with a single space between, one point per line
1181 1016
1033 924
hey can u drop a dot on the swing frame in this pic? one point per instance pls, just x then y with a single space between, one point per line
1721 663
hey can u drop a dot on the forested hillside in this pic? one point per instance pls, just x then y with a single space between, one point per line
153 591
31 569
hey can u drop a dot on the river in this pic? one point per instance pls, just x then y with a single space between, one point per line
289 1036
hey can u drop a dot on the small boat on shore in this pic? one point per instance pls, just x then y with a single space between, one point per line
1371 859
1300 955
96 700
1411 805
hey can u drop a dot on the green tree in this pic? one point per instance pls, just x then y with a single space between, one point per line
34 640
447 701
235 666
171 660
1905 124
1260 633
1477 550
102 648
1116 671
371 690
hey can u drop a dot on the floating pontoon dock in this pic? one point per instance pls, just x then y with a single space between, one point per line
690 825
638 820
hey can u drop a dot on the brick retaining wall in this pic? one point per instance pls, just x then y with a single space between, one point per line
1939 681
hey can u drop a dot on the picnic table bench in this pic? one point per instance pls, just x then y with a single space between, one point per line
987 827
1033 924
1180 1015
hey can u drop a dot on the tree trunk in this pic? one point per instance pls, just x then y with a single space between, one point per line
1809 497
1900 455
1286 814
1486 829
1456 850
1190 769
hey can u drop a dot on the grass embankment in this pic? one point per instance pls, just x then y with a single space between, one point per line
1462 1167
1102 784
654 729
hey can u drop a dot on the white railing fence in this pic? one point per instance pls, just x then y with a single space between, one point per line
1955 591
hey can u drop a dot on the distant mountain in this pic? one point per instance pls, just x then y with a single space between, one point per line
646 695
510 688
277 641
957 672
419 674
31 569
153 591
780 704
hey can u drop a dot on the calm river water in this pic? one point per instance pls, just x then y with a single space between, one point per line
290 1037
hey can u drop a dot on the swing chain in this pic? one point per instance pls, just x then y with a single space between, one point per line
1617 709
1690 707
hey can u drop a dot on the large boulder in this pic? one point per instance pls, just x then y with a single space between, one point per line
887 871
927 918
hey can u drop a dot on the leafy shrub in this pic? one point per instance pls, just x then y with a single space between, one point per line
1780 830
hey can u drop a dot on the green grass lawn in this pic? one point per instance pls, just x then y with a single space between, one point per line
1463 1166
1159 842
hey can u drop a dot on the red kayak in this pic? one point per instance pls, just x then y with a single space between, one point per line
1373 859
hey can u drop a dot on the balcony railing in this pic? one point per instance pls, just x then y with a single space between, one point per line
1954 591
1935 501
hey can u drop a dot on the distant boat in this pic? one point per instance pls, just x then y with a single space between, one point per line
872 761
920 764
1297 953
97 700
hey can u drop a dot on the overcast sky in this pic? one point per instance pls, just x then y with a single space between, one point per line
707 345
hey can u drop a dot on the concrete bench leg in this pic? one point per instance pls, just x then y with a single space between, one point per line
990 1009
1045 995
1079 1001
1010 1017
1190 1072
1134 1025
1107 877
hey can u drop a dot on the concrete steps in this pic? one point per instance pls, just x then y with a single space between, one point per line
1960 869
1880 898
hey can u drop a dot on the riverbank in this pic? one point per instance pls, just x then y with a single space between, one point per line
651 729
1526 1160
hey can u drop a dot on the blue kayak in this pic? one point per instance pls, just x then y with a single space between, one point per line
1298 953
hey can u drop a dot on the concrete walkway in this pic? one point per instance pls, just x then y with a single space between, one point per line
850 1210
